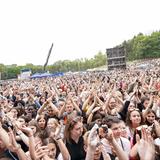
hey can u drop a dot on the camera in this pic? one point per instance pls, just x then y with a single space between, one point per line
8 124
105 128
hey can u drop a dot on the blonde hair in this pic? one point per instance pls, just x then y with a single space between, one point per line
54 121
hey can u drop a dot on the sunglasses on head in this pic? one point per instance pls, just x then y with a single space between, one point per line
133 109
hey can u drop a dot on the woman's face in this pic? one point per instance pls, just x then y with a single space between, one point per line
146 102
112 103
150 117
135 117
52 150
97 153
77 130
51 124
34 129
41 123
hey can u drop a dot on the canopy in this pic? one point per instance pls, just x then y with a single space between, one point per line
44 75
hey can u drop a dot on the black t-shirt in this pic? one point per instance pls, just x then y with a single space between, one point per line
8 154
23 146
76 150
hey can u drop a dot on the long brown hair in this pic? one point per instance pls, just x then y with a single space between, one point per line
42 117
128 121
69 126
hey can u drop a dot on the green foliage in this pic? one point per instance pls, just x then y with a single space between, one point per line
10 72
139 47
143 46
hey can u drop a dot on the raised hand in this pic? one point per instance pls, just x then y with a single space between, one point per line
41 152
146 148
93 138
27 130
13 146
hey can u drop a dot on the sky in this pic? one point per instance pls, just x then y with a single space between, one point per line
78 28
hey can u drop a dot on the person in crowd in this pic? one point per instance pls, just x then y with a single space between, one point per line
54 118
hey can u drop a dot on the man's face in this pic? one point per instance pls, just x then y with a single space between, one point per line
69 107
116 129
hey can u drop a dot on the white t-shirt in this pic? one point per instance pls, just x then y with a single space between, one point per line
123 142
60 157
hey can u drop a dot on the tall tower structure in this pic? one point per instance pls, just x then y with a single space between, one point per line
116 58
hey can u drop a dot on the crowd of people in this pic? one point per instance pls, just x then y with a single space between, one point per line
110 115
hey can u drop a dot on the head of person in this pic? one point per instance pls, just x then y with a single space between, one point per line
52 146
124 85
33 125
97 117
22 121
145 101
52 124
31 110
61 103
97 152
114 123
134 118
63 93
42 122
150 117
20 109
14 112
42 100
50 111
69 107
73 129
131 106
112 103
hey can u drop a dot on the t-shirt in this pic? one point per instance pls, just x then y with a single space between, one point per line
123 142
76 150
8 154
